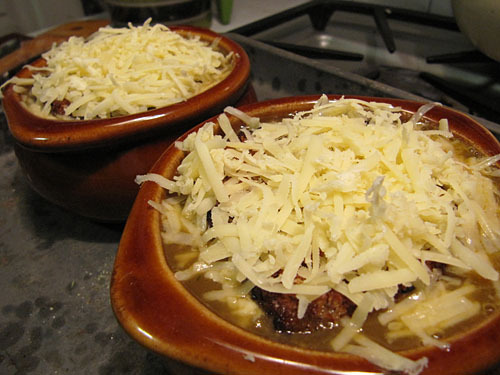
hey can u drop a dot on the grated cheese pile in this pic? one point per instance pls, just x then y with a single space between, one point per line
121 71
345 196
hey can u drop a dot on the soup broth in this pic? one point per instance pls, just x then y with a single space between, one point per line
486 293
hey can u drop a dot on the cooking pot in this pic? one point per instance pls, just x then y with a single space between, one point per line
479 20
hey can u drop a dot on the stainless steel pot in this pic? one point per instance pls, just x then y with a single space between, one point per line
479 20
168 12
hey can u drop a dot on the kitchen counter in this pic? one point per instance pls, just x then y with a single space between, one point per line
55 270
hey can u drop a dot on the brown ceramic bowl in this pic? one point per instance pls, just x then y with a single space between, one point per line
157 311
89 166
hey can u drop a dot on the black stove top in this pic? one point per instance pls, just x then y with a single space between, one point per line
419 52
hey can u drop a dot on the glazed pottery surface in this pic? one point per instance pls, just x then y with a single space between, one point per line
161 314
89 166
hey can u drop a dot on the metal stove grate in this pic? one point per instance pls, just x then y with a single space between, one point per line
476 99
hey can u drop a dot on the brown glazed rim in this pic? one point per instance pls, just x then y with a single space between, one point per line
157 311
45 134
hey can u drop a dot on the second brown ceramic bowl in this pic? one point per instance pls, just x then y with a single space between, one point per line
161 314
89 166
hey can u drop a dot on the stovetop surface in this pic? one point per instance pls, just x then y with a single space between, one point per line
424 54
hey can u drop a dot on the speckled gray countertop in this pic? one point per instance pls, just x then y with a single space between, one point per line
55 267
55 270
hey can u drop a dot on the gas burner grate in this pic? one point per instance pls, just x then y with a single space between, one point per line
320 12
474 56
475 99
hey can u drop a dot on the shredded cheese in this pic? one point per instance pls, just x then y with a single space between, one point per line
384 358
122 71
346 196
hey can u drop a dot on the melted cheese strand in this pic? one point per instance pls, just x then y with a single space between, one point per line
384 358
353 326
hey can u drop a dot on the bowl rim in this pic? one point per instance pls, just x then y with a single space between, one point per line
44 134
157 311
